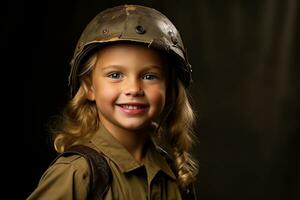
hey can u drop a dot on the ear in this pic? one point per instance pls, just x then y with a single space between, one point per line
90 93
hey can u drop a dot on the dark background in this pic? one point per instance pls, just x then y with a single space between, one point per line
246 66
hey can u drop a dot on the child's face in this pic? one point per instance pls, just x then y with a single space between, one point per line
129 86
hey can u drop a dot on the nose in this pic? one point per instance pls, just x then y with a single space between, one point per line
133 88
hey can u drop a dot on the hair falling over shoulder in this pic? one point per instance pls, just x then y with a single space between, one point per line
178 129
80 117
78 121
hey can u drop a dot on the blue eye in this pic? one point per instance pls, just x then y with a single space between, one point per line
115 75
150 77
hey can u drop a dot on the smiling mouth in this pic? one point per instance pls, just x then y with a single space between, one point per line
133 109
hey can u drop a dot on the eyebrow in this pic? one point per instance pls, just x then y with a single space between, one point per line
111 66
147 67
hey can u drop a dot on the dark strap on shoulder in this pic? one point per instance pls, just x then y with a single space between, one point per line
101 176
100 172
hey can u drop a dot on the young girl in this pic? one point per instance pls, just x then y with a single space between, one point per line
128 82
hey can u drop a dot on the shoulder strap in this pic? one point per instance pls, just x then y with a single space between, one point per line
188 193
100 177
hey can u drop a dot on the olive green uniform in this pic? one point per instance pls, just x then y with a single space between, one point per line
68 177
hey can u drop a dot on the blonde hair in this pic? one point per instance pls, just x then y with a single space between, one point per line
176 130
80 120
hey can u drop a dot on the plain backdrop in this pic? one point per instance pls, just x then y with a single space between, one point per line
245 57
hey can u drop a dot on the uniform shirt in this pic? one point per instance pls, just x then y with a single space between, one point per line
68 177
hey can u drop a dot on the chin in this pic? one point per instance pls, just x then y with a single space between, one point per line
135 126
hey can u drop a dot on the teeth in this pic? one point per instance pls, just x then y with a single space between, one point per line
131 107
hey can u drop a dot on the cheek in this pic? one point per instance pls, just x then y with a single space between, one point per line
157 96
105 94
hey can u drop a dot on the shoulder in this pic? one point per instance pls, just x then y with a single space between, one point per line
77 160
66 178
71 162
73 168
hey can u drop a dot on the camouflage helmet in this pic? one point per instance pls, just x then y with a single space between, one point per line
130 23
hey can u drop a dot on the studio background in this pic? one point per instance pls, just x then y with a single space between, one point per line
246 60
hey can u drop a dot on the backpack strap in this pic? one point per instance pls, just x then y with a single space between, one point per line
188 193
100 172
101 176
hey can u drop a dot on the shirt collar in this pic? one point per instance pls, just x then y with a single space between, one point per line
115 151
155 161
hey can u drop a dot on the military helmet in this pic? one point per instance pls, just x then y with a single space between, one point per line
130 23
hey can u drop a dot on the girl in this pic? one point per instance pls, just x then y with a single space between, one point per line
128 82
